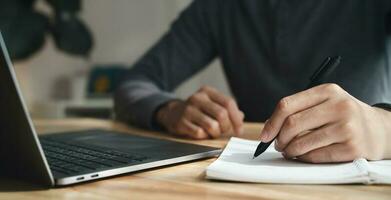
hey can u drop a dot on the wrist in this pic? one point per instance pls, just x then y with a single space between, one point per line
385 120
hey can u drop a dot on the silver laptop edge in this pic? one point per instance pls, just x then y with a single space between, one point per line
97 174
134 168
24 107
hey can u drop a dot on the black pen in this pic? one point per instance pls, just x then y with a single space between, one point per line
319 77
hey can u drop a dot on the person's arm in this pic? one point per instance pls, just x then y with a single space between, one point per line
183 51
326 124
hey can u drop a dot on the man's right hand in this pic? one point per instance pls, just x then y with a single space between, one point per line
205 114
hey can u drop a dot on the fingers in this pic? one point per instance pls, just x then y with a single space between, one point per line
220 114
190 121
313 140
214 110
305 121
207 113
188 128
237 120
323 124
329 154
235 115
296 103
208 124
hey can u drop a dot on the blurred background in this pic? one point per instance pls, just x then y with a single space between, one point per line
59 80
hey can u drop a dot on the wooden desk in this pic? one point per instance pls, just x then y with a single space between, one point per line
185 181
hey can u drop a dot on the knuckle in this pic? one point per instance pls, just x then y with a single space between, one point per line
221 114
193 99
283 104
332 88
229 102
291 122
348 129
347 105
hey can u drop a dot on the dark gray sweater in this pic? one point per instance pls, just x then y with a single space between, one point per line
268 48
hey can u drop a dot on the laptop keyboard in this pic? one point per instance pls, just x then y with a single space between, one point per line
73 158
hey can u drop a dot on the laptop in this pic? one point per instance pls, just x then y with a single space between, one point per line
73 157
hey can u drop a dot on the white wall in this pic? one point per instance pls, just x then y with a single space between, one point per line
123 30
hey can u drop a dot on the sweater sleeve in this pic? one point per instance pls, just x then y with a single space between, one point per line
183 51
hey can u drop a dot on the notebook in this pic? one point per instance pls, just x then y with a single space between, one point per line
236 163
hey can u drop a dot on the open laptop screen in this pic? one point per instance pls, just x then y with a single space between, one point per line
21 154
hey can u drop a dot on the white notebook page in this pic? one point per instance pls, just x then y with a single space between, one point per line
380 171
236 163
